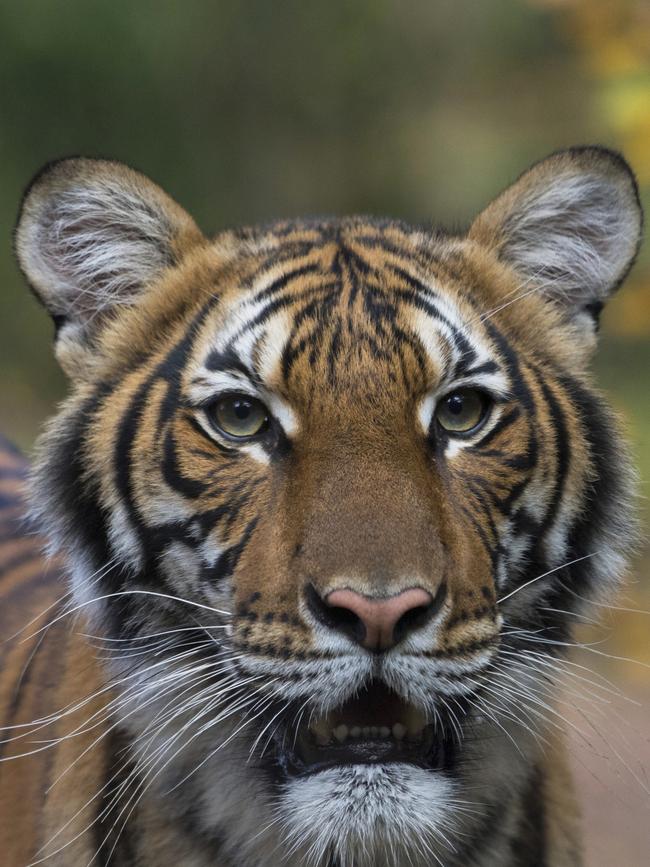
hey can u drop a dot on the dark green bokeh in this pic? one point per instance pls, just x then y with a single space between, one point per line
249 110
246 111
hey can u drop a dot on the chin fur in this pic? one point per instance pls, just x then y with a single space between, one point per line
364 816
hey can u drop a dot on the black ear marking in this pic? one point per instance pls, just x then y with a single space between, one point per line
595 310
59 321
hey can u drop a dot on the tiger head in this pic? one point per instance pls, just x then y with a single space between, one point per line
331 491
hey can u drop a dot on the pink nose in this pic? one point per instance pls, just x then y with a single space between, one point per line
378 617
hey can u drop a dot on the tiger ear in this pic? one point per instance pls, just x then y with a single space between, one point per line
571 227
92 235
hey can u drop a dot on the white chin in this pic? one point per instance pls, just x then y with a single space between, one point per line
369 815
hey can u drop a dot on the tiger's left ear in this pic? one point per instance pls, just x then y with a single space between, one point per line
571 227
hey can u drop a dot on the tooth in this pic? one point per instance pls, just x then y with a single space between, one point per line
340 733
384 731
415 723
366 731
355 731
399 731
321 731
374 731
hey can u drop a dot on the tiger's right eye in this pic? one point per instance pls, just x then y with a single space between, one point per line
239 416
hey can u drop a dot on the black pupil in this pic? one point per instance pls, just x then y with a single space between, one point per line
242 409
455 404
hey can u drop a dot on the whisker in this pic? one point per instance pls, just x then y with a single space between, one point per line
119 593
545 575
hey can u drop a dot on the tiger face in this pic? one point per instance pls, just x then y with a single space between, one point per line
336 486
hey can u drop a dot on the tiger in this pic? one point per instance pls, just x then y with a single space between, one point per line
309 536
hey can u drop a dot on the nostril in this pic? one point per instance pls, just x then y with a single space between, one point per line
420 615
413 619
334 616
348 622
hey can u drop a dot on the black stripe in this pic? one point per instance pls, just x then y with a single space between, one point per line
227 562
384 316
510 357
40 642
283 281
483 496
273 307
529 847
486 367
292 352
482 836
563 454
605 511
190 488
228 360
502 424
111 831
492 553
426 259
320 309
78 497
415 298
170 369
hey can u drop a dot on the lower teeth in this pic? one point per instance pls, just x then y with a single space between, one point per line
342 733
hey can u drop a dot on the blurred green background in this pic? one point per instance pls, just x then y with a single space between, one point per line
246 111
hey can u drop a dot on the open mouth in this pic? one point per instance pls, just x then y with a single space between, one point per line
374 727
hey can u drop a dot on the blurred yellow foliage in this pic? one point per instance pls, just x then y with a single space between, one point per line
612 38
613 35
612 42
626 104
630 315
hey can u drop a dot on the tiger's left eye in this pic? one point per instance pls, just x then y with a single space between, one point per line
239 416
462 411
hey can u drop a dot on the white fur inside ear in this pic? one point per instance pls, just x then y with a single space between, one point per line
574 237
91 242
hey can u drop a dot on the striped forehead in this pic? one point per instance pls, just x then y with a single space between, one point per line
245 344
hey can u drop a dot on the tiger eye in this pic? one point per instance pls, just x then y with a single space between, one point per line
239 416
461 411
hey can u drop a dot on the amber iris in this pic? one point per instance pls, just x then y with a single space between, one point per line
462 411
239 416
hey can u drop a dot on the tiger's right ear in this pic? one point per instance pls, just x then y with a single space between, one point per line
92 235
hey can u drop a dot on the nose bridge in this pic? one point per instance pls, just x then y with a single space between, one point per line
369 523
